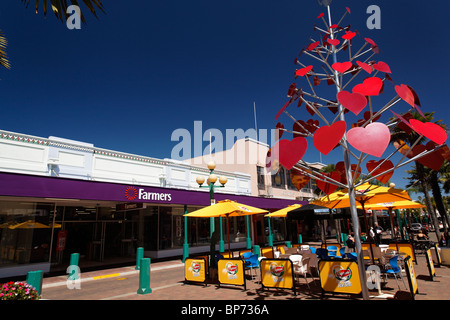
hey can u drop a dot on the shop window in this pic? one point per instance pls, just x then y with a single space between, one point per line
260 175
279 179
25 233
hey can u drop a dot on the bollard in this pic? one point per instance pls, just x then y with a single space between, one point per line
256 250
288 244
139 256
73 270
34 279
144 277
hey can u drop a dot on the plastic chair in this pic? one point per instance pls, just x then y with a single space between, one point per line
332 251
313 250
342 252
393 268
300 265
246 257
253 263
352 255
322 253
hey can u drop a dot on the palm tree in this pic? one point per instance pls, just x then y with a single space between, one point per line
59 8
420 172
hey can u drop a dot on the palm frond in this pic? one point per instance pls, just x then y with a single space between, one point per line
59 7
3 57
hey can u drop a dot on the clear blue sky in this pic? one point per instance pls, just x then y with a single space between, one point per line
146 68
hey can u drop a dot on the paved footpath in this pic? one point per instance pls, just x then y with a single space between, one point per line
167 283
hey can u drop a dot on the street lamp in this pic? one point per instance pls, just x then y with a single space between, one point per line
210 183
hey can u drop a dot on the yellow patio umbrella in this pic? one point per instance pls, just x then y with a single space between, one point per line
365 194
402 204
225 208
29 224
283 212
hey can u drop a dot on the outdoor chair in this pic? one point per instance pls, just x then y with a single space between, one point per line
301 267
332 251
246 257
322 253
393 268
252 262
342 251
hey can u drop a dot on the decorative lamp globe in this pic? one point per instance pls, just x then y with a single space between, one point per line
223 180
391 185
211 165
212 178
200 180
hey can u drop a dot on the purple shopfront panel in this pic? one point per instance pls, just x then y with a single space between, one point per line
19 185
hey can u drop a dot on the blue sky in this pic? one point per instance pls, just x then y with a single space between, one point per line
146 68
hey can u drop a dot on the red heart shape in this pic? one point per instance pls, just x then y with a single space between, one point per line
282 109
342 66
433 160
369 87
289 152
313 45
298 179
310 125
430 130
365 67
340 167
371 42
373 139
367 116
327 187
320 15
349 35
354 102
333 42
382 66
301 72
327 137
405 93
278 131
386 165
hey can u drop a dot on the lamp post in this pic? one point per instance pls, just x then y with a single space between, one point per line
210 183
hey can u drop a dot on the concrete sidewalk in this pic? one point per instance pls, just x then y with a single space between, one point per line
167 283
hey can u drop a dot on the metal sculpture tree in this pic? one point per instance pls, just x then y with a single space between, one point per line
367 137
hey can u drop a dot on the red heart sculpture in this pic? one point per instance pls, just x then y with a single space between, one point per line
354 102
342 66
282 109
279 132
298 179
405 93
320 15
310 125
369 87
301 72
349 35
327 187
373 139
289 152
333 42
433 160
365 66
367 116
371 42
386 165
430 130
340 167
327 137
313 45
382 66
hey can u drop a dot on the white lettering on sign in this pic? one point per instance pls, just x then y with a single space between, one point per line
143 195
